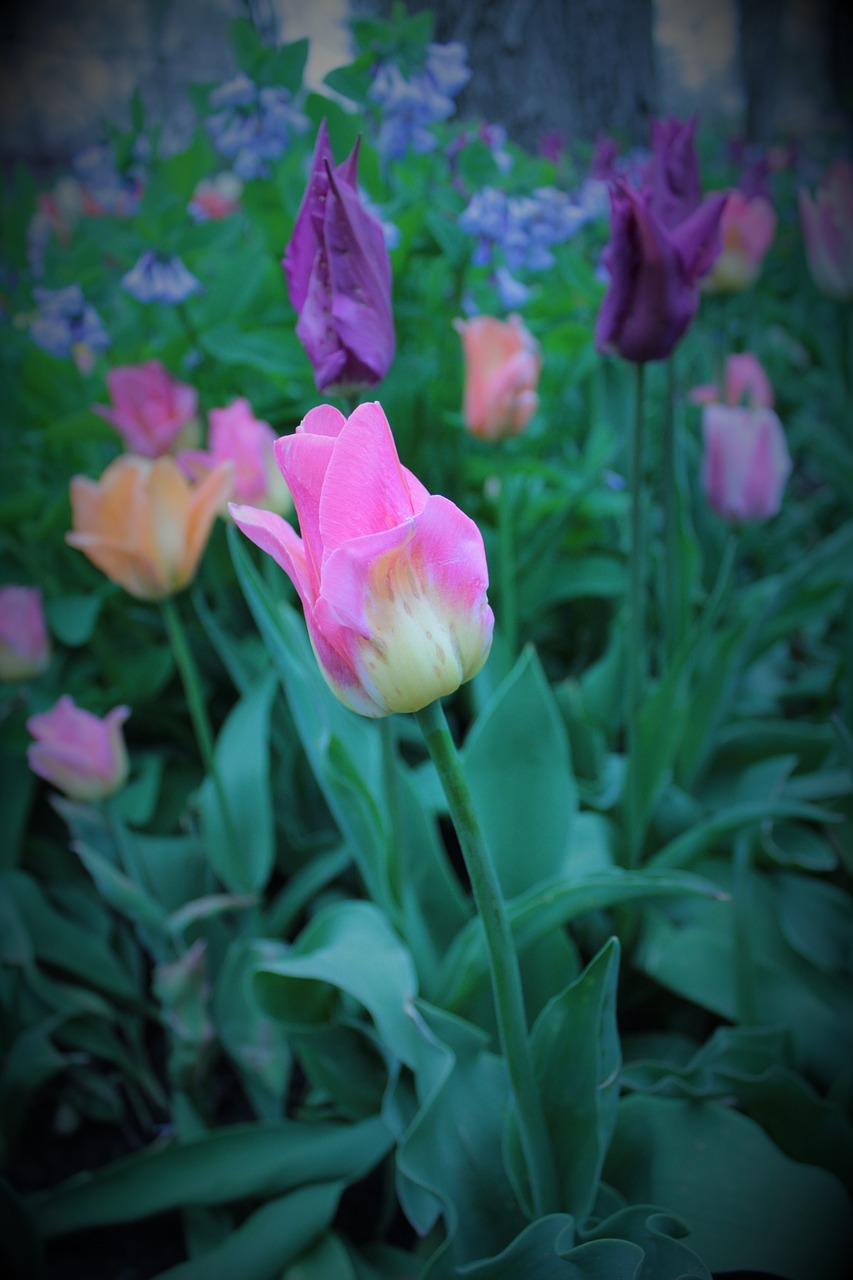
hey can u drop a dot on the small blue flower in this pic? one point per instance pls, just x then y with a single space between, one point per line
65 320
411 106
252 126
155 278
105 189
512 292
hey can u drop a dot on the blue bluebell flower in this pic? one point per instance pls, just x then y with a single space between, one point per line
156 278
252 126
106 190
65 320
411 105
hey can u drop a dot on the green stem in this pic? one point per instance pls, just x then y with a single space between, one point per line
198 712
673 611
506 543
747 1009
503 960
390 785
636 656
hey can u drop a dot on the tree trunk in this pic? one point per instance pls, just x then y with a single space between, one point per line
577 67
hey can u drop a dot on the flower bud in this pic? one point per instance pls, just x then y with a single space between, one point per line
502 366
80 753
24 642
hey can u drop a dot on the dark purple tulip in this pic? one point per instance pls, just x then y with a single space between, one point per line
675 189
654 274
339 277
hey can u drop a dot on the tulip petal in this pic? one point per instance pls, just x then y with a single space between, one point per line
272 533
304 460
365 490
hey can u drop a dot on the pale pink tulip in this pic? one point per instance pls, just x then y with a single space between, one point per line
24 642
745 383
827 222
747 229
502 367
237 436
392 579
149 407
746 463
80 753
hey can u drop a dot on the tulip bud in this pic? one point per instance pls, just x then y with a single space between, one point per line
675 189
149 407
392 579
654 273
80 753
746 462
24 642
747 229
339 277
502 366
827 223
144 524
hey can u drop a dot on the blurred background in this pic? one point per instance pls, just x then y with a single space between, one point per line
769 70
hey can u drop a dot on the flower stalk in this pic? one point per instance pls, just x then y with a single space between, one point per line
636 657
502 958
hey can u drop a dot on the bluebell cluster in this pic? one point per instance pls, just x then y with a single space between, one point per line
156 278
410 106
106 189
517 232
64 320
252 125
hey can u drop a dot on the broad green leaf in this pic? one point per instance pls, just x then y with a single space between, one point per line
270 1238
749 1207
577 1057
690 847
550 906
257 1045
516 758
269 350
17 789
347 947
72 619
242 759
233 1163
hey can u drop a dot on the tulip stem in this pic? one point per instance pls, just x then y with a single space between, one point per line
635 658
390 783
506 543
502 957
674 620
186 665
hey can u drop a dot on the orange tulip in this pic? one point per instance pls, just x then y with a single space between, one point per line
502 366
144 524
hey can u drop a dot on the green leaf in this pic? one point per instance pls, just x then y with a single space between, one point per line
284 67
270 350
72 619
347 947
749 1207
242 760
516 758
271 1238
702 837
577 1057
216 1168
256 1044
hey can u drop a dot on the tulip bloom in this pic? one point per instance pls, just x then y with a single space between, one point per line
80 753
502 366
746 463
339 277
238 437
24 642
654 273
827 223
675 189
144 524
149 407
747 229
392 579
745 383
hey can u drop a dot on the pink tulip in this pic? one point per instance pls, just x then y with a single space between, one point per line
149 407
502 366
747 229
745 383
24 642
746 462
827 223
80 753
237 436
392 579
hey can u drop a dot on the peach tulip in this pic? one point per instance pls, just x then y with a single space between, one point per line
149 407
747 227
827 222
502 367
24 642
144 524
80 753
392 579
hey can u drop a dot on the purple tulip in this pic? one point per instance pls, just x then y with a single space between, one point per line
654 274
675 189
339 277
